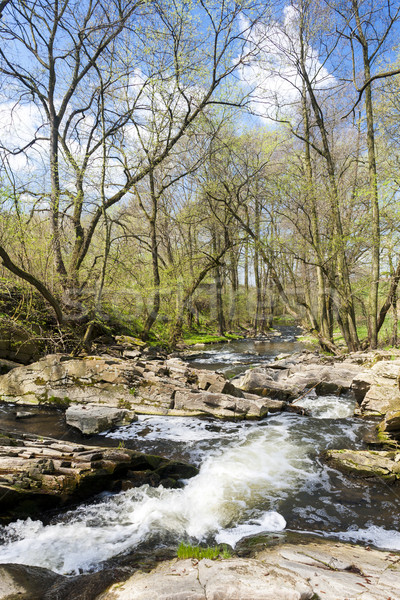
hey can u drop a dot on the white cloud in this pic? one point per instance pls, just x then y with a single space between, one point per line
273 76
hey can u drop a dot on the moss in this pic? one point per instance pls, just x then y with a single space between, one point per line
54 400
123 403
206 338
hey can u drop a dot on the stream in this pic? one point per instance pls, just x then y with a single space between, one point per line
255 478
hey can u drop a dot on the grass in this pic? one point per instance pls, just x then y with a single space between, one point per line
207 338
188 551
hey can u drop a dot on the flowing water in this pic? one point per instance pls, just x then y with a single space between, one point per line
255 477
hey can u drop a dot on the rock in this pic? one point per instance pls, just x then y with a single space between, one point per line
101 392
216 384
263 384
46 473
130 342
338 571
7 365
232 579
24 414
17 343
391 423
25 583
308 570
220 405
381 464
289 383
376 388
92 418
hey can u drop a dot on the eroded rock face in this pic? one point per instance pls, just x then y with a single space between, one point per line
305 571
38 473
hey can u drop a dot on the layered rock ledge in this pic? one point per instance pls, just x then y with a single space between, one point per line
40 473
103 392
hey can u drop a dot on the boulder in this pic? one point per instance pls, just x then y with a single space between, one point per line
291 382
220 405
376 388
61 380
384 465
17 343
391 424
25 583
92 418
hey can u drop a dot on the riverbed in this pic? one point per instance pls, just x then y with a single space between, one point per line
255 478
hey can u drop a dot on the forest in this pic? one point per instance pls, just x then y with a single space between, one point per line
173 168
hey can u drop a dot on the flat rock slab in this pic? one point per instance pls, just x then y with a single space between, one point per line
309 571
232 579
337 571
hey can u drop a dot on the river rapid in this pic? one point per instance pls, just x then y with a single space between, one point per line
255 478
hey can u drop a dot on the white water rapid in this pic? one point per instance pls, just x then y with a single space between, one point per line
255 477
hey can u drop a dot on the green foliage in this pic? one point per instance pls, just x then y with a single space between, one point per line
206 338
198 552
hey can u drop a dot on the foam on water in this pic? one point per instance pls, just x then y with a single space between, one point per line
225 495
387 539
328 407
177 429
271 521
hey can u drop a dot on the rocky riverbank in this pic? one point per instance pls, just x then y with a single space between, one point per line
292 570
102 392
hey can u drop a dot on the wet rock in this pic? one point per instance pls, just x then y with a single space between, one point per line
92 418
366 463
40 473
26 583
